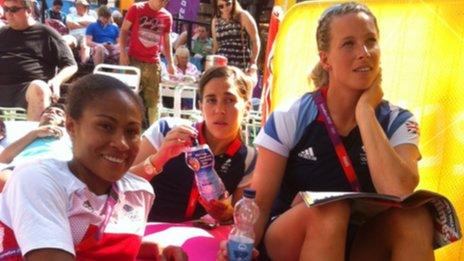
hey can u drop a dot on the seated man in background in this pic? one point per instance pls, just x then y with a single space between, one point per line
55 12
30 54
102 38
56 19
48 140
77 23
201 44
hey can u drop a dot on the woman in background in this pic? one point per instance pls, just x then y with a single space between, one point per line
183 66
235 35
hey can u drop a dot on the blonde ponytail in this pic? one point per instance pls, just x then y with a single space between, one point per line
319 76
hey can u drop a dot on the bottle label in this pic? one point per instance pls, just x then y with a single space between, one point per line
199 157
240 248
201 160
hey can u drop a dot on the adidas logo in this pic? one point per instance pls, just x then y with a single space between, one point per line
307 154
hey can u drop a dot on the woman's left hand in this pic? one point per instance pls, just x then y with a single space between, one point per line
372 96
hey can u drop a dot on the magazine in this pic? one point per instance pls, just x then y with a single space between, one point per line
367 205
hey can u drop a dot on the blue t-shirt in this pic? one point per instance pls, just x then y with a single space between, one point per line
43 148
103 33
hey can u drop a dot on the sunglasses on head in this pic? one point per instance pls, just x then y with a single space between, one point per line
227 4
13 9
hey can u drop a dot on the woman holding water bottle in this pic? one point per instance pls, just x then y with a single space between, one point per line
372 146
224 93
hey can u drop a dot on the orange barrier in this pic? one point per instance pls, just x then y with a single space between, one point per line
125 4
422 44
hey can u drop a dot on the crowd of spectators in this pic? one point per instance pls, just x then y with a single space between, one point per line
97 36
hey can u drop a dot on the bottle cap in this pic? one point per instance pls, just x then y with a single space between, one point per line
195 142
249 193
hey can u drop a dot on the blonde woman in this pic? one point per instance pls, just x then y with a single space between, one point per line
376 141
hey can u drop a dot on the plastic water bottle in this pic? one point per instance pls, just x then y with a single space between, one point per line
242 235
200 159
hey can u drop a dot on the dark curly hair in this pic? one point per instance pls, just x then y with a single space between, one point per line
93 87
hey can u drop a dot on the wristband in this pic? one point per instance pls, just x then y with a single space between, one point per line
150 168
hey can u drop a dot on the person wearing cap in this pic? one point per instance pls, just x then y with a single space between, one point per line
102 38
77 23
34 61
148 24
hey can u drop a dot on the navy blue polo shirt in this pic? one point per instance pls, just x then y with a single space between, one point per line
173 185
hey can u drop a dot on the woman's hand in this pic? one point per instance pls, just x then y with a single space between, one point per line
372 96
223 253
221 210
173 253
177 140
151 251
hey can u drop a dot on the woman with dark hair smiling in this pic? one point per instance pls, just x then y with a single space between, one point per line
88 208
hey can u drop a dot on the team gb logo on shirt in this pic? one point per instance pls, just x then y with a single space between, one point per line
412 127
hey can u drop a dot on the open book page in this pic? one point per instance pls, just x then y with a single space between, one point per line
367 205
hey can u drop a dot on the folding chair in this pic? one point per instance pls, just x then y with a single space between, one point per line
129 75
184 99
13 114
251 124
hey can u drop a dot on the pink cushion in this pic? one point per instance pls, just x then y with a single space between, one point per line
198 243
